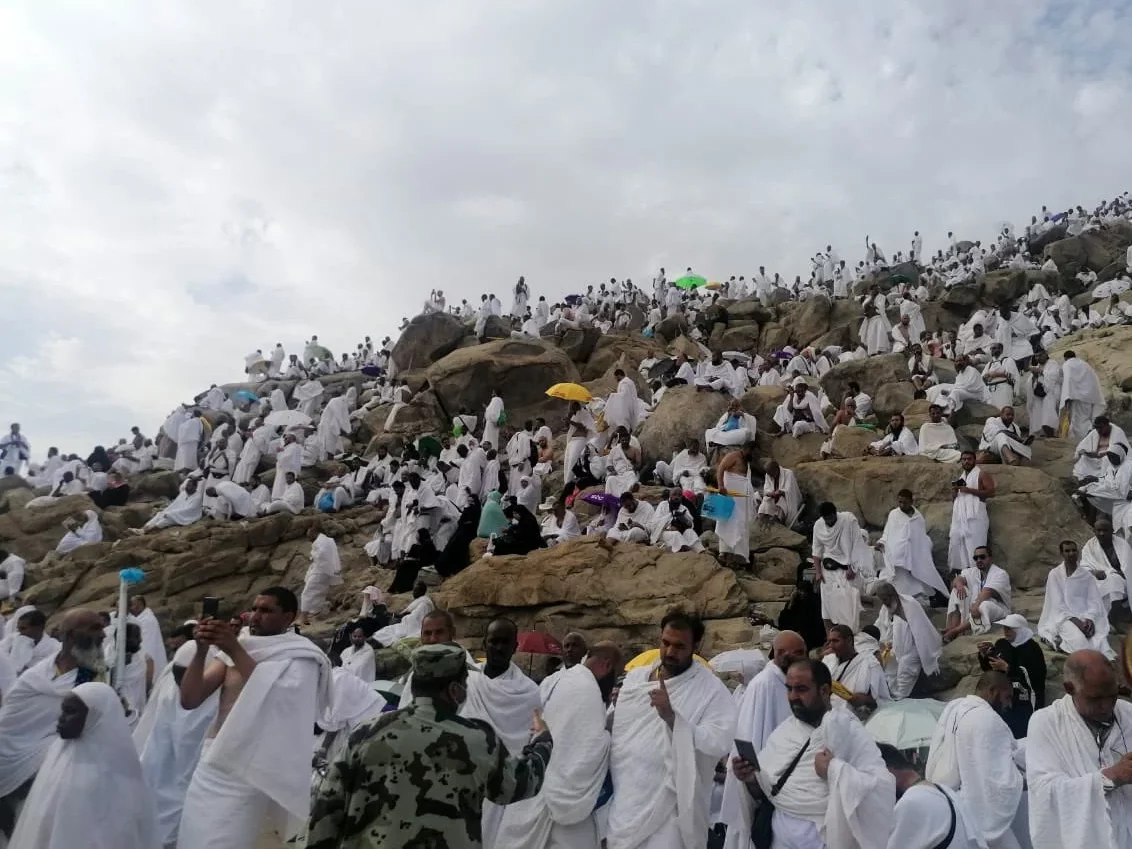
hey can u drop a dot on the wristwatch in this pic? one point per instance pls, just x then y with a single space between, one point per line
1107 784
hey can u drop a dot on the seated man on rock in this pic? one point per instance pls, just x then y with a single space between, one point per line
937 438
898 441
1002 438
230 501
800 413
980 597
718 376
185 509
673 525
735 427
292 500
1074 616
685 465
781 498
633 523
1109 558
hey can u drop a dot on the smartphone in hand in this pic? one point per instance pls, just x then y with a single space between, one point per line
746 751
210 607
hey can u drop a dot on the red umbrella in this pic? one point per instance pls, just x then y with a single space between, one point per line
535 642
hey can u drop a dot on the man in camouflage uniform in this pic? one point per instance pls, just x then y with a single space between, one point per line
417 778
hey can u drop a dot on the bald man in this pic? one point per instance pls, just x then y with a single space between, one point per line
763 708
574 650
1079 761
31 708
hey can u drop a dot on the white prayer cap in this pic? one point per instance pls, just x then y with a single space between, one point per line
1014 621
799 381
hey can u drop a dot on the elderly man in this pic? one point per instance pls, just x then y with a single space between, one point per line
980 597
717 376
1079 762
800 413
822 771
673 722
1074 616
973 752
574 649
1003 438
735 427
915 642
837 552
685 467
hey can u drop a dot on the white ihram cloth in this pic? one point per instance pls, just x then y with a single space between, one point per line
843 543
622 477
787 506
22 652
903 444
916 645
1068 805
621 408
507 703
998 435
335 420
352 702
410 625
810 420
862 673
183 510
90 791
1078 596
14 567
1079 385
1091 444
922 819
1043 411
324 571
938 442
763 708
89 532
663 533
852 807
153 643
741 435
561 815
664 777
168 739
908 563
968 386
491 421
970 524
973 752
245 772
188 438
733 533
27 721
290 459
991 610
1115 585
360 662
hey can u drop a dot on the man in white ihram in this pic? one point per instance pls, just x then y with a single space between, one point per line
927 816
763 708
1079 762
674 720
1074 615
970 523
561 815
973 752
838 550
907 550
255 766
839 792
324 571
915 642
980 597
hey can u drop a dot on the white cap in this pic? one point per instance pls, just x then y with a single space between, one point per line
1014 620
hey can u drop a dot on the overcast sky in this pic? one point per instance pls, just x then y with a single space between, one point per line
183 182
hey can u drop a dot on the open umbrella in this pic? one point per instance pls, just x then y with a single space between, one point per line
287 419
690 281
536 642
570 392
647 658
602 499
906 724
372 371
749 662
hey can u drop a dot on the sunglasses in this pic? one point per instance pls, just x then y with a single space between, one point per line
980 557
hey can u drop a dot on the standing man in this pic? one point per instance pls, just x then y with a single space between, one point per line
674 720
324 571
153 643
970 523
255 765
1079 763
385 793
573 652
14 450
907 550
734 478
838 548
188 443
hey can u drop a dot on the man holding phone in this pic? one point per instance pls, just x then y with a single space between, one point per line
273 684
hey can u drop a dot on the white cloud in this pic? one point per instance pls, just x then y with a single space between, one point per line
185 182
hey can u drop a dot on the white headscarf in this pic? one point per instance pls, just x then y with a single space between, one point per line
90 791
1017 623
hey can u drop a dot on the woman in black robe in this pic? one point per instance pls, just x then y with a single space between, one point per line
524 535
1018 655
454 558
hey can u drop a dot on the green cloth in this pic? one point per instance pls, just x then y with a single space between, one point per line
492 520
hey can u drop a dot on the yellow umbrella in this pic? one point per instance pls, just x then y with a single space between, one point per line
570 392
648 658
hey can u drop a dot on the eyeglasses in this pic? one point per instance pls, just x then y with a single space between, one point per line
980 557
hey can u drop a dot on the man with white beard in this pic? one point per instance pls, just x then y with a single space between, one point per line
674 720
973 752
504 698
907 551
1079 763
823 772
980 597
31 707
561 815
273 685
837 552
188 441
762 709
915 642
1074 616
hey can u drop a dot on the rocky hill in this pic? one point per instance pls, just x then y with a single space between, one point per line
616 591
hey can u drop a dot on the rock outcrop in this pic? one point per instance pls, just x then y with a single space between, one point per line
427 339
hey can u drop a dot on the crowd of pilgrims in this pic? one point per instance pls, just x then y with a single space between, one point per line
654 757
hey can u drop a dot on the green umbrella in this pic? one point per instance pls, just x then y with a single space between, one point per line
692 281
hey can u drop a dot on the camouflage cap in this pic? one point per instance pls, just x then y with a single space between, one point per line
438 662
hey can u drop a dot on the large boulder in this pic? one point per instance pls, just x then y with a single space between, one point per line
1025 547
774 337
618 591
618 347
742 338
1037 245
749 309
672 327
521 369
33 532
1109 352
683 413
871 373
579 344
1004 286
422 415
805 321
